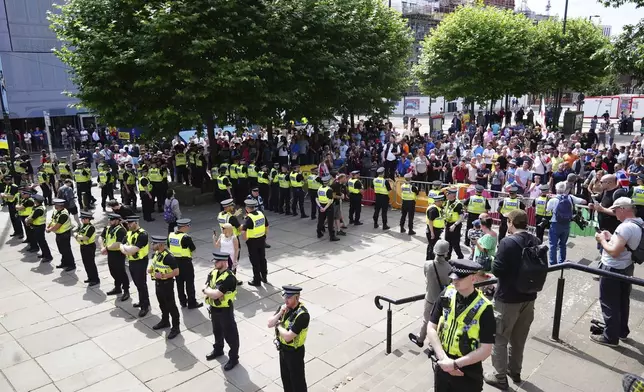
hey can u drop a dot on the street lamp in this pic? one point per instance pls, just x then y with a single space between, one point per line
560 90
590 18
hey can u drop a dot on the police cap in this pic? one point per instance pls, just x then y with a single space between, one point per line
452 191
59 201
355 172
479 188
439 197
255 189
462 268
544 188
227 202
251 203
380 170
219 256
132 218
158 239
86 215
112 216
514 189
326 179
290 290
38 198
437 183
184 222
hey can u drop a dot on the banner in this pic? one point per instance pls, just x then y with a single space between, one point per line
124 135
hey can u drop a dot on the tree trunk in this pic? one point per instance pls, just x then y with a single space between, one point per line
269 131
353 124
212 142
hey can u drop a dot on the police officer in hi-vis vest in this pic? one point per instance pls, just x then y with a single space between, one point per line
505 206
435 223
381 186
110 242
10 197
241 190
461 331
181 164
228 215
181 246
64 170
45 187
454 218
83 178
252 175
263 185
37 222
408 193
136 249
543 216
313 183
24 208
285 191
145 193
224 185
296 180
638 196
355 189
436 190
163 270
86 237
475 205
291 323
220 291
324 203
61 225
128 186
254 232
106 183
275 188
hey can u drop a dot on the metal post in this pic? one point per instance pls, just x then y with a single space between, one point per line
47 125
389 316
556 322
560 90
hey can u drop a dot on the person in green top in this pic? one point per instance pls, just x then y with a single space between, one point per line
485 248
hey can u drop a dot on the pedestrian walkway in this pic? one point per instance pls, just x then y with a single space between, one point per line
58 335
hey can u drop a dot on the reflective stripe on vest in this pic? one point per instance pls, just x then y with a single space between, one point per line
159 266
27 210
180 160
110 235
294 182
232 169
259 225
322 195
509 205
102 177
132 236
450 215
220 183
65 227
252 171
476 205
460 335
352 185
131 178
146 188
174 241
41 219
407 193
228 298
299 340
223 169
240 172
638 195
80 176
312 182
439 223
154 174
83 231
261 179
284 180
541 203
379 186
62 169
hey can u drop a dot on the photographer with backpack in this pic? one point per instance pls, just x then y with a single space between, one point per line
171 210
621 249
521 267
562 209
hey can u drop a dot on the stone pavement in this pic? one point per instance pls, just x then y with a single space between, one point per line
58 335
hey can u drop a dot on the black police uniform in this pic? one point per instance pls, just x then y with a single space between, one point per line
186 277
26 202
63 241
355 203
326 216
291 358
453 237
128 191
116 259
503 227
12 189
264 190
88 251
432 214
107 191
224 326
45 187
275 191
381 206
138 271
408 207
38 232
147 202
471 217
257 251
298 196
165 291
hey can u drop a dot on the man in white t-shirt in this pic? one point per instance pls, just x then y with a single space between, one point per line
472 171
125 157
420 166
488 154
523 177
84 135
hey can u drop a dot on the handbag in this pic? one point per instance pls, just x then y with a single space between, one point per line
485 260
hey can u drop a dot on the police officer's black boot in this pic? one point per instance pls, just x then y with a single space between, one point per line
161 324
214 354
173 333
125 296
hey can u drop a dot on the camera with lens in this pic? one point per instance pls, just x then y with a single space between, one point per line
578 218
597 327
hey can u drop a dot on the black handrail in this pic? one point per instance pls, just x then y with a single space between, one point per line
556 322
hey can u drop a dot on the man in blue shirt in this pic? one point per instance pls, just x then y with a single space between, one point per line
559 231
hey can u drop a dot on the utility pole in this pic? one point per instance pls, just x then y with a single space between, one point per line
560 90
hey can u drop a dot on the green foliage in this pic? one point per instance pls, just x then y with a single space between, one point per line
617 3
608 85
628 52
478 52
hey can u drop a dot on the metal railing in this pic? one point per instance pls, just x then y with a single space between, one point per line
561 282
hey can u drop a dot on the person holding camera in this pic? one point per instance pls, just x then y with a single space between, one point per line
461 331
562 209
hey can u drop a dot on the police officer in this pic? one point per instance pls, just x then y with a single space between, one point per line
275 188
50 170
110 242
4 170
381 186
181 164
543 216
220 291
163 269
181 246
37 222
475 206
408 193
454 218
198 170
83 178
128 186
64 170
296 181
313 183
324 202
232 170
106 183
461 332
436 190
355 189
45 187
136 248
638 196
285 191
252 175
227 215
254 232
10 197
24 208
263 185
86 237
291 323
224 186
155 178
61 224
242 182
505 206
145 193
435 223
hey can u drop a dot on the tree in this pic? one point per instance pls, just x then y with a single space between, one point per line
608 85
628 52
575 61
479 53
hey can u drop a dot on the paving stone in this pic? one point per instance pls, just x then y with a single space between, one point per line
47 388
127 339
38 327
89 377
11 353
123 381
204 382
52 339
26 376
163 365
19 301
71 360
179 377
25 317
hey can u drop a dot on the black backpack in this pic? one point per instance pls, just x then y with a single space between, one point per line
637 255
533 268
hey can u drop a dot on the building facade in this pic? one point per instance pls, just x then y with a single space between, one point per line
35 78
606 30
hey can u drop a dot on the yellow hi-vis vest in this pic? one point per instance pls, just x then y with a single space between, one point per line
180 160
261 179
223 169
312 182
460 335
275 176
431 194
352 186
146 188
65 227
110 236
174 240
407 193
154 174
80 176
19 169
158 264
638 195
439 223
379 186
541 202
43 178
131 177
41 219
259 225
120 172
294 182
232 169
252 171
224 217
509 205
220 183
476 205
132 236
62 169
27 210
49 167
284 180
299 340
83 231
102 177
451 216
227 300
240 172
322 197
10 197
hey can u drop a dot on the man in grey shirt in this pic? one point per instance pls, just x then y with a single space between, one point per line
436 278
614 296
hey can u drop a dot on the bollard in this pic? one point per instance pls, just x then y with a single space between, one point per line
389 329
556 322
